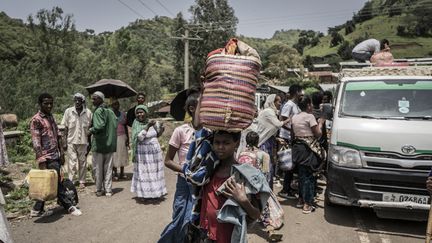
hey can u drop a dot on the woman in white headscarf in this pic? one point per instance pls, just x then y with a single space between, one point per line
268 126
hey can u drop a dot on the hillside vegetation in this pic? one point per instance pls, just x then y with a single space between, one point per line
45 53
379 28
406 23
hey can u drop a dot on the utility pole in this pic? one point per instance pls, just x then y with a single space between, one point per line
186 40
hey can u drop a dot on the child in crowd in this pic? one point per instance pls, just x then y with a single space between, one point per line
272 215
254 156
214 198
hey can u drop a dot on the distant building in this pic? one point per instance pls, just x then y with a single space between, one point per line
324 76
322 67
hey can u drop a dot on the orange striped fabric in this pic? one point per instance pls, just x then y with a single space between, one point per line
228 100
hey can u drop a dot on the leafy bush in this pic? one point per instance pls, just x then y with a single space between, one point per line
17 201
22 150
336 39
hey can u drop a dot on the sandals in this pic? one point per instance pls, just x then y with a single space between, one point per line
307 209
273 236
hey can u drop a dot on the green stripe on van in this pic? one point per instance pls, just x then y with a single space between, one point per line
349 145
380 85
423 151
375 149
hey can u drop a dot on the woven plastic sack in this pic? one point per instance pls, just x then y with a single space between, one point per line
228 100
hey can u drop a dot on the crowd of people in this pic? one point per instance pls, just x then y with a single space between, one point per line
105 133
211 166
198 196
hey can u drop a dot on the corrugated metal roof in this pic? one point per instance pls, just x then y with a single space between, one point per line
321 65
281 88
325 87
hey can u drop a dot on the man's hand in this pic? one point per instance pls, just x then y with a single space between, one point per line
235 191
429 184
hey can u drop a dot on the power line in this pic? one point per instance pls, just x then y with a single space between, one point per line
164 7
131 9
147 7
211 26
373 12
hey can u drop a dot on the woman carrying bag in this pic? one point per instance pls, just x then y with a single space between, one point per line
307 153
268 126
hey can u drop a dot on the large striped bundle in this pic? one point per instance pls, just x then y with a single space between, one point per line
228 100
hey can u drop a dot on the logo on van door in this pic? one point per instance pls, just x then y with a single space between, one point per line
408 149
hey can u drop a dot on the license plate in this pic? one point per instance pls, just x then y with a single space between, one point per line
397 197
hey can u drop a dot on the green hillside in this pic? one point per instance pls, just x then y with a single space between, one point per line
287 37
381 19
379 28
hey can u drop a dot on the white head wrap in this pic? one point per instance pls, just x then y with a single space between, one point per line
269 103
99 94
79 95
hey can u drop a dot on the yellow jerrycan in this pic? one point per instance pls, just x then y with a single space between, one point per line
42 184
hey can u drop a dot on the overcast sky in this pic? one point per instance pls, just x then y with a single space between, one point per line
257 18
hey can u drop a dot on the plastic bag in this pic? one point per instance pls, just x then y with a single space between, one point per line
285 158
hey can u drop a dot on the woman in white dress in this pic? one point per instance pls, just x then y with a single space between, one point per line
148 175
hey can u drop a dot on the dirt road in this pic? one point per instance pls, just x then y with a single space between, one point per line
122 219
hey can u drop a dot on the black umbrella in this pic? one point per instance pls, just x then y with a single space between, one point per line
112 88
177 107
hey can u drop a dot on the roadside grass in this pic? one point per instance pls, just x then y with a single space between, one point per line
18 202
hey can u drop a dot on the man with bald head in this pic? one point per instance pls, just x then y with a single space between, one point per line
103 144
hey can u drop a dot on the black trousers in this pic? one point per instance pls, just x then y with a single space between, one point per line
62 199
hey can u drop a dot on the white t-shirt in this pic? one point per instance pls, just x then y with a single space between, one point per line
303 123
288 110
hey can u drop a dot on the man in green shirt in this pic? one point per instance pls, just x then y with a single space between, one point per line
104 143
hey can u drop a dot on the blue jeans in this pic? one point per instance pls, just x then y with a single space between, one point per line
288 177
267 147
307 184
362 57
176 230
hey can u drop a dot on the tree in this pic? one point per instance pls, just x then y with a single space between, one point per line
307 38
349 27
344 51
214 21
279 58
366 13
336 39
51 59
